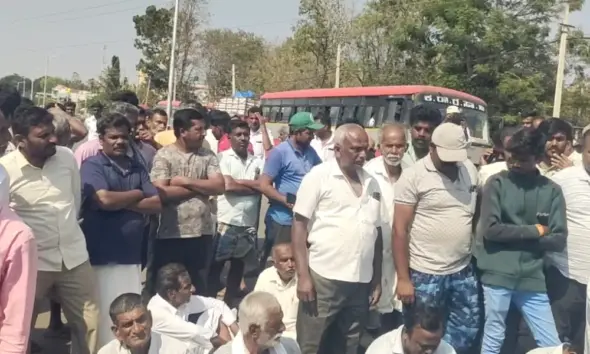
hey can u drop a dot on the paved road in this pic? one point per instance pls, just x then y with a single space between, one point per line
56 346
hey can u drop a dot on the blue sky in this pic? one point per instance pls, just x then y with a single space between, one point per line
73 32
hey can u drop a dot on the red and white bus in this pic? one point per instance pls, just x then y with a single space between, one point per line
374 106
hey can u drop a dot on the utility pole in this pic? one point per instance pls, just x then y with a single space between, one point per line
45 80
32 88
147 91
174 91
337 82
172 59
233 80
104 57
561 62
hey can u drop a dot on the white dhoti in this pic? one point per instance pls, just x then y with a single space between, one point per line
112 281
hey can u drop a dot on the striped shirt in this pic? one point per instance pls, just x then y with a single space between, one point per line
573 262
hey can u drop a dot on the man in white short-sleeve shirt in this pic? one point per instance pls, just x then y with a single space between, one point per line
569 270
435 201
337 212
387 170
237 213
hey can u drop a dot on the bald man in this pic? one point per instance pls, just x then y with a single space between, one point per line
338 213
387 169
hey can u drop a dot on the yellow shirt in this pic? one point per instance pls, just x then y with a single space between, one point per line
167 137
48 200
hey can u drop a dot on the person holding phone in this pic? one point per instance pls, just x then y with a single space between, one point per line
284 169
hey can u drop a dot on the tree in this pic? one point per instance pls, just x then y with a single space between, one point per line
221 49
323 25
111 79
154 40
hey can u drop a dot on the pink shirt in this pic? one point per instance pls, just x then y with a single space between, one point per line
18 278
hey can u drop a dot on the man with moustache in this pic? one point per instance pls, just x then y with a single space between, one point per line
281 281
45 192
559 153
237 212
387 169
118 194
338 247
432 255
132 327
423 120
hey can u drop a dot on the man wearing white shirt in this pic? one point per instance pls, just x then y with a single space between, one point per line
237 212
260 136
323 143
132 327
188 323
568 274
421 332
261 328
337 213
281 281
387 169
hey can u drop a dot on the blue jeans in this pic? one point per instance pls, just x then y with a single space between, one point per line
458 293
534 307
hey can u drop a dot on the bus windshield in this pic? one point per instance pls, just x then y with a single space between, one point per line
475 115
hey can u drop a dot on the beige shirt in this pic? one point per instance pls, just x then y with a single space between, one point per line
441 232
48 200
342 226
388 301
270 282
237 346
325 150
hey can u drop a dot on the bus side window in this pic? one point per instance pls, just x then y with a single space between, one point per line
266 112
286 112
334 115
274 115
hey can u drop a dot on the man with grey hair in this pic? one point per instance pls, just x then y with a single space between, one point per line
387 169
142 151
261 328
337 213
63 130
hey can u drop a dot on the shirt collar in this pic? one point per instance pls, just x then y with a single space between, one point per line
380 166
238 346
276 278
22 161
232 153
163 304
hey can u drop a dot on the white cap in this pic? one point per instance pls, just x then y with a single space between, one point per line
450 142
453 109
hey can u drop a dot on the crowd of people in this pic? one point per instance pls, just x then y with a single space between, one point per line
400 246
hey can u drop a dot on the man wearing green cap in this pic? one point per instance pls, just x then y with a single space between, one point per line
284 169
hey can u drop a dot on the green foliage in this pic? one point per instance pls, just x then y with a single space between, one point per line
154 29
111 80
221 49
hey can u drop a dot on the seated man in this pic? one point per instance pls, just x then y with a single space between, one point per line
188 323
281 281
261 328
132 327
421 332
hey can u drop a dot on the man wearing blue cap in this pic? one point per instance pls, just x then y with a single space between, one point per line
283 171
